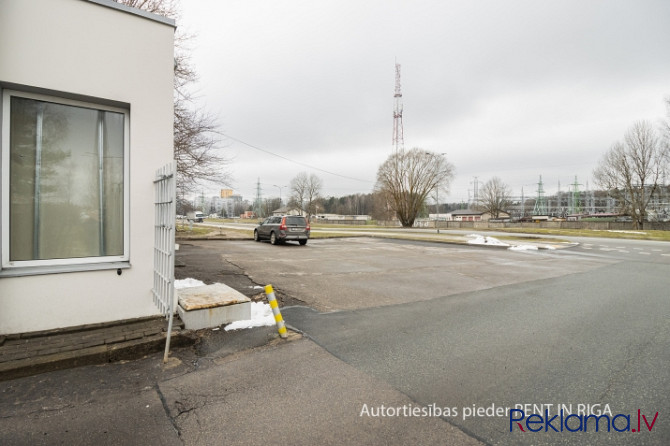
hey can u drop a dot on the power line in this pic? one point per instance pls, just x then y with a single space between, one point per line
294 161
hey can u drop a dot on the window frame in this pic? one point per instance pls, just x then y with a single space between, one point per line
46 266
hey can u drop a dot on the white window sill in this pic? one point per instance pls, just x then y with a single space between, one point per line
59 269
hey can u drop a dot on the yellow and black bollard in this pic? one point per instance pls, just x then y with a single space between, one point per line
272 300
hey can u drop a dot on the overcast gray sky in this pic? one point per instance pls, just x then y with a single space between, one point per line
514 89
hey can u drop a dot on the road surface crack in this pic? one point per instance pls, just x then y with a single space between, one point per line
167 412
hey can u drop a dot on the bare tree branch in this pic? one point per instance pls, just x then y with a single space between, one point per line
197 140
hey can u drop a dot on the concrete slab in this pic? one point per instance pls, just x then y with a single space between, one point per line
209 296
212 306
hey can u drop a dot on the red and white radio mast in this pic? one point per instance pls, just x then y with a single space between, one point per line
398 137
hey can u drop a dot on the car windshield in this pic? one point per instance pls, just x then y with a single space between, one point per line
295 221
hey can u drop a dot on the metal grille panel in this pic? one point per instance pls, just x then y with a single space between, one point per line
164 243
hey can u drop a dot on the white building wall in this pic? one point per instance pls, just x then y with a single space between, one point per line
80 47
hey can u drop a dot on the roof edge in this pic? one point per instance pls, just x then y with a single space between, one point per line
135 11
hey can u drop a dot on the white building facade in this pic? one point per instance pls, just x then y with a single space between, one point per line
86 119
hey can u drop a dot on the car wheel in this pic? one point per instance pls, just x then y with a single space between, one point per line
273 238
302 242
256 236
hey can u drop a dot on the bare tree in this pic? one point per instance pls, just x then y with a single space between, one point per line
494 197
305 192
314 186
407 178
197 142
630 171
299 191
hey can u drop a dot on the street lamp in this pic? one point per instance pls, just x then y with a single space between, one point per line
437 196
280 188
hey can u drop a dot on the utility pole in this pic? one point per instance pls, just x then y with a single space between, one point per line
258 204
398 132
576 207
280 188
590 200
540 202
475 192
437 194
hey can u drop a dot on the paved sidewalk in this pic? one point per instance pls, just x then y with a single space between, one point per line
38 352
225 391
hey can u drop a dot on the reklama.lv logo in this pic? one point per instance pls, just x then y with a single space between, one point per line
577 423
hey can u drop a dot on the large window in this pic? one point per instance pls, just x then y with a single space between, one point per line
64 182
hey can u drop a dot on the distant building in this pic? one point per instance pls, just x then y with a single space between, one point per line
225 206
338 217
215 205
470 215
286 210
229 204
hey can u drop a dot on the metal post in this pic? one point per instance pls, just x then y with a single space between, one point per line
280 188
437 217
272 300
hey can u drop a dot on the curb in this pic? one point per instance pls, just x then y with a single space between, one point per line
41 353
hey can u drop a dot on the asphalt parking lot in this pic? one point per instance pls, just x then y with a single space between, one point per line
351 273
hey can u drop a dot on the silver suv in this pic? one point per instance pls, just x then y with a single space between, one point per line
281 229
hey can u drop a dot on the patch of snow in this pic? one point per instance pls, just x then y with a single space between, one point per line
495 241
187 283
261 315
627 232
481 240
523 248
